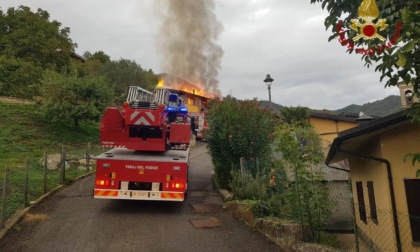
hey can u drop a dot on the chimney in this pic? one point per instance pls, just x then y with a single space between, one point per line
363 118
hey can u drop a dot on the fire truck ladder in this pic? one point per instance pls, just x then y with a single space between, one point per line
140 98
161 96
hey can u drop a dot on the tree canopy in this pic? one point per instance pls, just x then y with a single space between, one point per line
124 73
397 22
36 63
19 78
76 98
239 129
30 43
99 55
32 37
297 116
121 73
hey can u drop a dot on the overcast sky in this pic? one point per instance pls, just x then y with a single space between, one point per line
286 39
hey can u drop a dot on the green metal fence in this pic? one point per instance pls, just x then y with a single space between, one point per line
20 185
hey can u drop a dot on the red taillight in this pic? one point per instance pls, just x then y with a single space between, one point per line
102 182
177 185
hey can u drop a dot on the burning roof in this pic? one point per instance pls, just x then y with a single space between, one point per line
177 84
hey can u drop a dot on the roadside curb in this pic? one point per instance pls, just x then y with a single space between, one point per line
16 218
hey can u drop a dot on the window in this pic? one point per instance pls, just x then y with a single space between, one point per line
361 201
372 203
412 191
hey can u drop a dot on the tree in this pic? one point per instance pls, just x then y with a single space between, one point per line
121 73
75 98
19 78
306 198
398 56
298 116
32 37
124 73
239 129
99 55
30 43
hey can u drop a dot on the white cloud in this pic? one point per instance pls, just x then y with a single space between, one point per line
259 14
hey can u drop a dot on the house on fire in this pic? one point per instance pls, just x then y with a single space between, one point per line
386 190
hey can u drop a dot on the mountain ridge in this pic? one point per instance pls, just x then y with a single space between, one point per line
380 108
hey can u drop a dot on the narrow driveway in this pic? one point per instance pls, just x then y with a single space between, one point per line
71 220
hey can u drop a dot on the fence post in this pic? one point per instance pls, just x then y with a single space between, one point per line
4 197
63 166
87 158
242 164
45 170
259 183
27 183
356 232
298 196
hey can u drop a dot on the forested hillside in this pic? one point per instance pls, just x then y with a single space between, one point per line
38 61
380 108
387 106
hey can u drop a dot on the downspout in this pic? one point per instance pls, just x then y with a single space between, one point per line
391 190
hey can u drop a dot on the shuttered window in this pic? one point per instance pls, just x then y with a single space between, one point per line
412 190
361 201
372 202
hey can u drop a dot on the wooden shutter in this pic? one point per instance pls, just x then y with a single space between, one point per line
412 190
361 201
372 202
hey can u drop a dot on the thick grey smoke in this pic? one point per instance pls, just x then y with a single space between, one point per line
187 41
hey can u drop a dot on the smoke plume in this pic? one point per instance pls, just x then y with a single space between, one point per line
187 41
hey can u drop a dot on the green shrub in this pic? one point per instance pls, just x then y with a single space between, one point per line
238 129
245 186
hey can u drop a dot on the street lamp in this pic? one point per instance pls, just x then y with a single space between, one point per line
268 80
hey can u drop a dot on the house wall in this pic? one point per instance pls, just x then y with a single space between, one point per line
395 145
328 129
364 170
339 186
392 145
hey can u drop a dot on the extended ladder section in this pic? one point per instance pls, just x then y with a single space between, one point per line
161 96
138 94
141 98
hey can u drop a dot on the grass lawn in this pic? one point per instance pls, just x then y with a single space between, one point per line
25 134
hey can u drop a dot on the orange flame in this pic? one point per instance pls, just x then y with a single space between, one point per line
161 83
185 87
195 90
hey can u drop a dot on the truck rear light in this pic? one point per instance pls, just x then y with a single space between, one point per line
103 182
177 185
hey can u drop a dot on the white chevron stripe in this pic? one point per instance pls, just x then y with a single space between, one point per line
141 121
151 116
134 115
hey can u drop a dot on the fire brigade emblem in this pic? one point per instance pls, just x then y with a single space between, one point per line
368 11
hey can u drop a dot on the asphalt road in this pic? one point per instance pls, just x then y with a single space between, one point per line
71 220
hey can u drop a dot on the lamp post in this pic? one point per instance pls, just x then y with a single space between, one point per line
268 80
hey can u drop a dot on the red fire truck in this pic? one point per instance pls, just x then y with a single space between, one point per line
201 125
150 138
